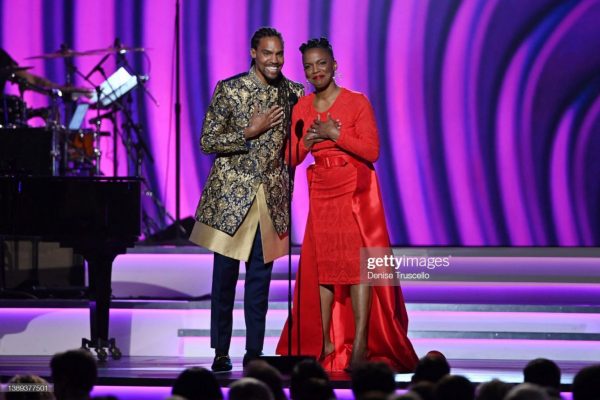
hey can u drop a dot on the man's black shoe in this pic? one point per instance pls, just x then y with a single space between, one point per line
221 364
249 356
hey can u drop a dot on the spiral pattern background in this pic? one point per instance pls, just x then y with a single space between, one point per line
488 110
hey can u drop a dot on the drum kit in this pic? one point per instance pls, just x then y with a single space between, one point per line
75 151
60 146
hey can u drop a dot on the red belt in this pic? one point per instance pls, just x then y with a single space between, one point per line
329 162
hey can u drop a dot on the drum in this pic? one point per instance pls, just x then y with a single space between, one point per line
12 112
81 146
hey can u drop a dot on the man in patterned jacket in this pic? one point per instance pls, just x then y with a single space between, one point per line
243 212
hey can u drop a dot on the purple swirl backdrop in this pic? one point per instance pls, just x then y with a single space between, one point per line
489 110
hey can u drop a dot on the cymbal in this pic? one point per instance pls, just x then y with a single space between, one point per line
113 50
72 53
77 91
56 90
57 54
11 69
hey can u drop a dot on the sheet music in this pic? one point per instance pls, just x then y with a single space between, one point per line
115 86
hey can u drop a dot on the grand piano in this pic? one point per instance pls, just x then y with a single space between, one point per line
98 217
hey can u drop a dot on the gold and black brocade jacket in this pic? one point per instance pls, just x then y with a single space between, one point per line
242 165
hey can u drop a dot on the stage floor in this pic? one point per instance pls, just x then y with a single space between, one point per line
162 371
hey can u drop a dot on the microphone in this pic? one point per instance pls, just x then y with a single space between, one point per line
299 129
100 117
293 98
98 67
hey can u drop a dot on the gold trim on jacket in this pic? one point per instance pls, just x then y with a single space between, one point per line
239 246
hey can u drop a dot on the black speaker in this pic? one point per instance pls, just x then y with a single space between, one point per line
29 151
285 364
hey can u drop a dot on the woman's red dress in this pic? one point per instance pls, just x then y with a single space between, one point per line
346 213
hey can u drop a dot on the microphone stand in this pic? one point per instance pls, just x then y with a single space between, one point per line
115 104
291 172
293 360
97 67
70 71
178 226
180 238
285 364
98 118
150 226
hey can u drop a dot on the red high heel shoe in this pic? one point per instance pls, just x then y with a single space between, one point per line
351 365
326 360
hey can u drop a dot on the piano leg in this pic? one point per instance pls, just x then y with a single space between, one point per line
99 267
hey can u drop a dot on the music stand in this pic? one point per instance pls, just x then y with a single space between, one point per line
114 87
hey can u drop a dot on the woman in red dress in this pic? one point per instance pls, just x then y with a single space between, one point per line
356 321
